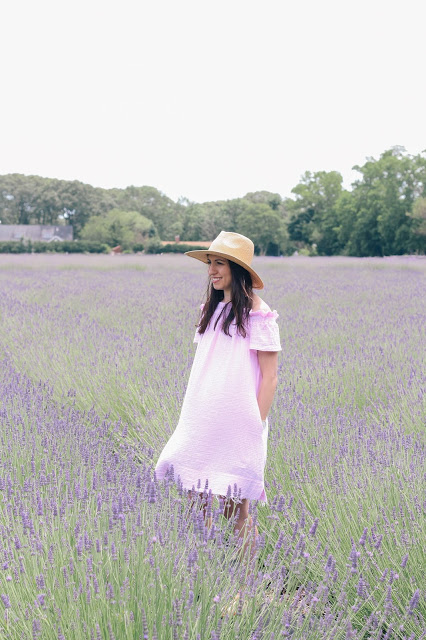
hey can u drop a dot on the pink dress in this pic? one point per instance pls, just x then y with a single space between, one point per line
220 436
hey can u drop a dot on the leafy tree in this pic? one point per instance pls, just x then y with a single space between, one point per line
312 217
35 200
383 213
301 226
125 228
166 215
18 200
384 194
214 218
265 226
192 223
205 221
345 211
418 227
232 209
273 200
418 214
81 201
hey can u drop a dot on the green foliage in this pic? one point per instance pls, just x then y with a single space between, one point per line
13 247
124 228
76 246
153 246
345 217
265 226
36 200
312 212
180 248
273 200
165 214
384 194
418 225
206 221
383 214
376 218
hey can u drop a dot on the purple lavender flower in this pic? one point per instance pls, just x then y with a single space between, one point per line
379 542
414 602
313 528
363 537
152 493
79 548
110 631
109 592
36 628
40 581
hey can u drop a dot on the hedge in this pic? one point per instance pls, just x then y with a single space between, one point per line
75 246
179 248
85 246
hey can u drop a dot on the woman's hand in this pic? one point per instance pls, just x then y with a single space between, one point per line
268 362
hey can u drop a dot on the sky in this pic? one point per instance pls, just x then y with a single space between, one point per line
208 100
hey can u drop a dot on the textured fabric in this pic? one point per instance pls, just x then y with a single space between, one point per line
265 425
220 436
264 332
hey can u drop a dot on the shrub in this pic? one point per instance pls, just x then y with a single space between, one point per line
13 246
179 248
138 247
153 246
74 246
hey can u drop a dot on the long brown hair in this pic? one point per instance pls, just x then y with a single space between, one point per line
239 307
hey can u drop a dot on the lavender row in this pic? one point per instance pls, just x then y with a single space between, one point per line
341 541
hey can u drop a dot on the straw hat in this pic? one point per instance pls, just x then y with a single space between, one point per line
234 247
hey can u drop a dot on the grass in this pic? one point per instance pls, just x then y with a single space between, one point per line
96 355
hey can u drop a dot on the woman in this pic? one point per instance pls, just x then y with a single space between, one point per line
220 441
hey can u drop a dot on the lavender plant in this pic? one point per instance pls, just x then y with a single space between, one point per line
95 353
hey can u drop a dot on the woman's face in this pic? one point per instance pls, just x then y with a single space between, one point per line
219 273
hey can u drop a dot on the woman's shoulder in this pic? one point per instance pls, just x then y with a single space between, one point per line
259 304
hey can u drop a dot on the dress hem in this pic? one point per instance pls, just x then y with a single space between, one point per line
262 499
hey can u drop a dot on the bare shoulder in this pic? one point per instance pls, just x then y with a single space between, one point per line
258 303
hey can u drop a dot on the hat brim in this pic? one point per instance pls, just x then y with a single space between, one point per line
257 282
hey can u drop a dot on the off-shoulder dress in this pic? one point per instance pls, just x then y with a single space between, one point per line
220 436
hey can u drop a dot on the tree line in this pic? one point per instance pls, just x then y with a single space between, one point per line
383 214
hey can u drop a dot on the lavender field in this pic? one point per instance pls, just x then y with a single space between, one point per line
95 353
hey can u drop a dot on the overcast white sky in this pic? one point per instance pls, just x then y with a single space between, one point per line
208 99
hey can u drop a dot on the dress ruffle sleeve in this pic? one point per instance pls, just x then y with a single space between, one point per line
264 331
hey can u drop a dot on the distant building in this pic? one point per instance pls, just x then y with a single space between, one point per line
35 232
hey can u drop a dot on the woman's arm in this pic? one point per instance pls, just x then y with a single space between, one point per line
268 361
